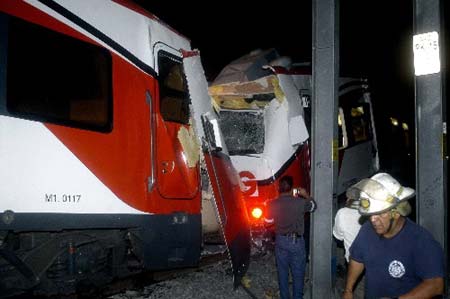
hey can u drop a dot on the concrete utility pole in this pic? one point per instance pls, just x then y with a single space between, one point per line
431 164
324 141
430 125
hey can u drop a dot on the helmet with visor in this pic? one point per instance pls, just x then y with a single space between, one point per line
380 194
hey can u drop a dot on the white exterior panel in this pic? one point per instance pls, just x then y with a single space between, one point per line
37 169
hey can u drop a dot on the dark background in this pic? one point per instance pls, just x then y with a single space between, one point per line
375 42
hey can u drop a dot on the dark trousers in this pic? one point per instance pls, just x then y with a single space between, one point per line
290 255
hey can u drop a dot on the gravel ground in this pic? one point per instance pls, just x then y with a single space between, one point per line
215 281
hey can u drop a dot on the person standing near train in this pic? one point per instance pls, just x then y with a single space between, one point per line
286 213
347 223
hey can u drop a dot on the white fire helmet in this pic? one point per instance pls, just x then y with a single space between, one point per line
379 194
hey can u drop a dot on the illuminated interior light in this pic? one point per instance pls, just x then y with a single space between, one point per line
358 111
405 126
394 121
257 213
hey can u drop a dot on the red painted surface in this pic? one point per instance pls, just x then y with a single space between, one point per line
121 159
227 192
187 54
175 179
231 208
248 179
298 169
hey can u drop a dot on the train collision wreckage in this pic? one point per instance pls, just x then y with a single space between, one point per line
263 102
102 134
109 140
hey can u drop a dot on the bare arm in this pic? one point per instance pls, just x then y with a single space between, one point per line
426 289
354 271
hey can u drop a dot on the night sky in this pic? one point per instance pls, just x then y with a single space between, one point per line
224 31
376 39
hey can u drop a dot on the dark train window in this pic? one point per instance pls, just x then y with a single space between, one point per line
360 127
357 120
55 78
174 105
243 131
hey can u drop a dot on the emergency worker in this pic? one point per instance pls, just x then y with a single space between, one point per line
286 213
401 259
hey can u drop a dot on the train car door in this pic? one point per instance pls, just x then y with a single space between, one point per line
358 154
223 177
177 151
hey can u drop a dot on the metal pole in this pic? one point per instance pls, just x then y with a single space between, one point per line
431 172
324 141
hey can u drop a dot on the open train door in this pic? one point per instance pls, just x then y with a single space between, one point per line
223 177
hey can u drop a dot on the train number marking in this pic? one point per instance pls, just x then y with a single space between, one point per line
64 198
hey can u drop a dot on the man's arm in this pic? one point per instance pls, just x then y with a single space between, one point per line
303 193
354 271
428 288
311 204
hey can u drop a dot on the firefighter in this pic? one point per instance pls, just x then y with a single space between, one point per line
401 259
287 214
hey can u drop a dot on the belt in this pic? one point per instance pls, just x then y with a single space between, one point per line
292 235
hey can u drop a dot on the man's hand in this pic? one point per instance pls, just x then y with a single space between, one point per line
303 193
347 294
354 271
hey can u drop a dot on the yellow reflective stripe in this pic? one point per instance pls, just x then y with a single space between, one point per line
400 191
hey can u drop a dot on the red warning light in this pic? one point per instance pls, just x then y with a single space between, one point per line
257 213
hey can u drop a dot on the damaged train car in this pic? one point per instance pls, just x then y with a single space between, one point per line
102 134
264 107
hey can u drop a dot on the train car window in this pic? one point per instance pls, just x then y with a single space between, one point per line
52 77
360 123
174 105
243 131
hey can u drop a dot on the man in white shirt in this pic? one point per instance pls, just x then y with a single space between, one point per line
347 224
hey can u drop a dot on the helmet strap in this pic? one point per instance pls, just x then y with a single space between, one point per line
391 220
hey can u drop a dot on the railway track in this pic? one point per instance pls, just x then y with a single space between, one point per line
139 281
135 286
205 261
